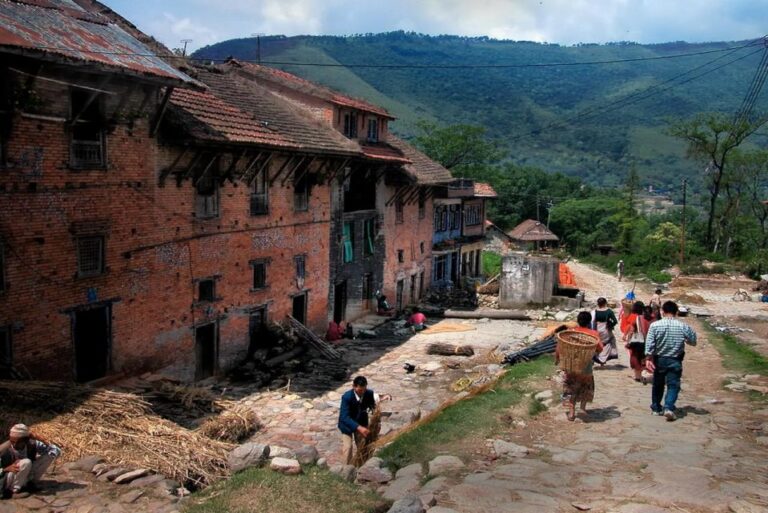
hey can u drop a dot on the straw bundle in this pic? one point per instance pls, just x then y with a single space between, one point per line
366 446
120 427
234 425
576 349
450 350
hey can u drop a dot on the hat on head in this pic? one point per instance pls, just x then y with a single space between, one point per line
20 430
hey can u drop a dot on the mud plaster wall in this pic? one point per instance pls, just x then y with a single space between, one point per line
527 280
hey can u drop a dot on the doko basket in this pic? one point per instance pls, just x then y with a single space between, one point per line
576 349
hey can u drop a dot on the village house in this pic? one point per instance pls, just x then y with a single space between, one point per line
381 230
156 218
459 232
496 239
532 235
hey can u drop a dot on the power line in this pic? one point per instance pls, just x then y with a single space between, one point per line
412 66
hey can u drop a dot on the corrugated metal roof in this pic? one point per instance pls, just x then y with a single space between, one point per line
61 28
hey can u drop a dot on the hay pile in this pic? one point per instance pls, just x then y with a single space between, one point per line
237 423
367 445
120 427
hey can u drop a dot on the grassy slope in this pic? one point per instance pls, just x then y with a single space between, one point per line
470 421
263 491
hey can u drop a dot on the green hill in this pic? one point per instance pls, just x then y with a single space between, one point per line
592 121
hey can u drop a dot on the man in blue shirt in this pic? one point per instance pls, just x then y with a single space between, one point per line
353 415
665 349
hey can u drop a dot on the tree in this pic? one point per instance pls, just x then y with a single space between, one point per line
456 147
627 223
752 167
711 139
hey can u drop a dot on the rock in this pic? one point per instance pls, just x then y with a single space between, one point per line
737 387
130 476
131 496
503 448
346 472
581 507
307 455
757 388
431 366
99 469
410 504
562 316
742 506
285 466
277 451
87 463
110 475
322 463
434 485
146 481
444 465
414 469
372 472
248 455
762 440
544 394
440 509
428 499
167 485
402 487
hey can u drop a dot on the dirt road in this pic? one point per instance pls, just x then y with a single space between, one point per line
620 458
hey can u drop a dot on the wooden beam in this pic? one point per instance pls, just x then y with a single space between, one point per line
207 168
288 161
412 196
380 174
89 101
292 170
161 111
400 191
251 164
262 169
189 172
338 168
124 100
168 170
305 171
231 169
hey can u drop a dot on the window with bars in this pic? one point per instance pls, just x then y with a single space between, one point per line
301 271
399 207
207 198
369 236
350 125
348 242
301 193
87 139
260 195
373 130
422 203
90 256
440 267
6 352
2 266
259 273
472 215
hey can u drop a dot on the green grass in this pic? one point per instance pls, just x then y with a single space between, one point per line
737 356
491 264
477 417
264 491
535 407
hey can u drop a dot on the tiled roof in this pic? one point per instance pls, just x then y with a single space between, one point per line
64 30
532 231
484 190
425 170
238 110
383 151
291 81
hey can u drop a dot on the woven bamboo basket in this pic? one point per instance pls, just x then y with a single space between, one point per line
626 305
576 349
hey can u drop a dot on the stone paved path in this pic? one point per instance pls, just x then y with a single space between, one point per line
298 417
622 459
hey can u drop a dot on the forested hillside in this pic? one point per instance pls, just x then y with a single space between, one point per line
593 121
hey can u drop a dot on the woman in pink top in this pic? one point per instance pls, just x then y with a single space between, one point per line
417 320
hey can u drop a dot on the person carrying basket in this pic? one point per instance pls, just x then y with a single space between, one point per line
579 383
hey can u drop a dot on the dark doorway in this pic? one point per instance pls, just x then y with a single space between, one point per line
257 330
367 290
92 335
455 267
205 349
300 308
340 301
399 295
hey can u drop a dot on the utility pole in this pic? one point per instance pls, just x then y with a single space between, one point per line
258 35
682 232
549 211
184 50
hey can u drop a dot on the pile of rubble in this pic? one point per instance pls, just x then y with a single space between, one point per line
453 298
488 300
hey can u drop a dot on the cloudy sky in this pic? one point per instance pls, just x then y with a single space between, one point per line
554 21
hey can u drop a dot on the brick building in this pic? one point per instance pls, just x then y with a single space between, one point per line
154 218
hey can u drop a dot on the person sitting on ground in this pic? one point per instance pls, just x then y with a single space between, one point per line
417 320
353 416
24 458
580 386
634 339
604 321
382 306
334 332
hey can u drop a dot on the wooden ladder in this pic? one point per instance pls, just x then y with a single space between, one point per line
321 345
